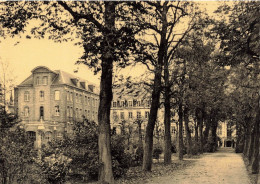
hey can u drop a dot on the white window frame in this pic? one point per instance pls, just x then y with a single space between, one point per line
57 95
26 96
138 114
42 96
26 111
57 110
130 115
45 82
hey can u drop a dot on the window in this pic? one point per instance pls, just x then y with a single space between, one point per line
71 95
26 111
130 103
148 103
122 103
41 112
122 115
138 115
26 96
86 113
147 114
68 96
138 103
89 101
37 80
31 135
68 111
48 136
57 110
80 98
57 95
71 112
93 115
41 95
115 116
114 104
45 80
77 98
130 115
93 102
77 112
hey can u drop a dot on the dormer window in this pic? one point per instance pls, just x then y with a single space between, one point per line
45 80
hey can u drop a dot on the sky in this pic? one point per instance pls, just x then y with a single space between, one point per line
25 54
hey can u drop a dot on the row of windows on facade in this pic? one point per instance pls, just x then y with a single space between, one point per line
41 94
130 115
42 81
69 97
79 99
130 103
48 136
78 112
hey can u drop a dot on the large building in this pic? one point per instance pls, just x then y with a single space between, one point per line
227 134
129 114
48 102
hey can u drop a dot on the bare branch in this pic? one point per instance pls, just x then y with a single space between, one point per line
78 16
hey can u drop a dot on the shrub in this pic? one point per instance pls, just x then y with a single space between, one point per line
156 152
55 168
137 156
82 149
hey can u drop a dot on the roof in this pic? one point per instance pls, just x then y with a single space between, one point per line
64 78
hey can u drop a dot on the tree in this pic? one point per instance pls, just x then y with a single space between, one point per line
239 44
6 80
106 37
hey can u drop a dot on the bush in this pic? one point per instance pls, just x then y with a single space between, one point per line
55 168
156 152
82 149
195 149
137 156
239 148
173 148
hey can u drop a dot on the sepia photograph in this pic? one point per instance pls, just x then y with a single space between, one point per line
129 92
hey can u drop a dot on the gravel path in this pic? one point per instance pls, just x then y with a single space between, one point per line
222 167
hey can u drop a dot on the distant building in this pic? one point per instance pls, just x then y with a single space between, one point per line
130 109
48 102
227 133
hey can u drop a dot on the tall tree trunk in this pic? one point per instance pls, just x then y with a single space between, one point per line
207 128
148 146
214 135
250 150
255 162
200 124
167 116
247 139
180 140
196 132
187 131
140 141
104 143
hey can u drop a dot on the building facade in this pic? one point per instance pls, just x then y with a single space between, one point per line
48 102
227 133
130 113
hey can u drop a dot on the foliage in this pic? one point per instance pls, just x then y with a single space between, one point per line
156 152
82 149
16 153
55 167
